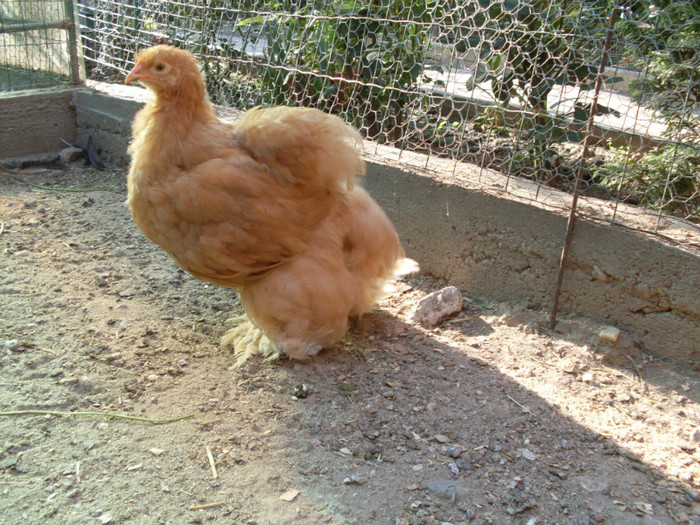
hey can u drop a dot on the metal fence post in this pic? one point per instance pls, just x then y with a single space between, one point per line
577 188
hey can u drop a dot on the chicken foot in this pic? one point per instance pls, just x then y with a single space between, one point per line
248 340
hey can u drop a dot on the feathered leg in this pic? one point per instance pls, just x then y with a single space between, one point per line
248 340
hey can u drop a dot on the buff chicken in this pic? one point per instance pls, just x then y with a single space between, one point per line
268 206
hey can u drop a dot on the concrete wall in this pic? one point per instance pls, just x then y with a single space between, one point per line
105 112
494 245
35 122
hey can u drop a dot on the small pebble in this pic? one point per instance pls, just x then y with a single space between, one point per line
527 454
587 377
454 452
353 479
11 344
446 489
70 154
290 495
609 333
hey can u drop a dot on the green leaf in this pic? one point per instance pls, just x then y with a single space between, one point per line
253 20
613 80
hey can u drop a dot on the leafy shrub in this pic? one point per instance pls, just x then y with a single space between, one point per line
524 50
664 178
665 46
663 41
359 59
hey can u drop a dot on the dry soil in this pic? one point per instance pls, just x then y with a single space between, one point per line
489 418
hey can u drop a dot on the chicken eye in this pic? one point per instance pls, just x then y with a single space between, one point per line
160 67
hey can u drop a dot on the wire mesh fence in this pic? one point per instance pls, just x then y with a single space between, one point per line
505 85
37 44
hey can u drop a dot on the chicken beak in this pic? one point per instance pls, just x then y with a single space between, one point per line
134 74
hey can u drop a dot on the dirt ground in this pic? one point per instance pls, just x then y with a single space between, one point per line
490 418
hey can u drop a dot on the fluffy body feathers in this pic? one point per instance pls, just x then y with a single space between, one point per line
268 207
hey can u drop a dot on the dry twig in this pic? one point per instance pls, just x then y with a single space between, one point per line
208 505
211 463
525 409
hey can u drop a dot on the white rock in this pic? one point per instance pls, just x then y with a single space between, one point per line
695 435
610 333
290 495
437 306
70 154
353 479
587 377
527 454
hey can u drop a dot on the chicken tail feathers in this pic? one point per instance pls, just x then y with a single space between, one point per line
406 266
303 146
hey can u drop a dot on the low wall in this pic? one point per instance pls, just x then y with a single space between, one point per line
493 245
35 122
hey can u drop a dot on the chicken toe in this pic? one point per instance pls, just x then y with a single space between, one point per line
247 341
